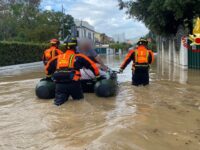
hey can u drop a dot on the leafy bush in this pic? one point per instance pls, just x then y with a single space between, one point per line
24 22
122 46
12 53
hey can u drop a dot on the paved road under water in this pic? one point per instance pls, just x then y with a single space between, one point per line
162 116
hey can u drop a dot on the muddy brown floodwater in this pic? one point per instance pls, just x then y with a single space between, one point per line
162 116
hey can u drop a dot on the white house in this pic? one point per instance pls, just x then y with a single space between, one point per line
85 30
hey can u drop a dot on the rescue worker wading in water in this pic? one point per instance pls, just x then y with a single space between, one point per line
52 52
142 58
65 70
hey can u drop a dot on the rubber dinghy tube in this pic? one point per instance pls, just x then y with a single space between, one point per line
106 88
45 89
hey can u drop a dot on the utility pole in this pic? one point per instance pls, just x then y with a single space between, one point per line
63 22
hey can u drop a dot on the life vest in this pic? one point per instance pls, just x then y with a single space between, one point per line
141 55
50 53
65 61
65 70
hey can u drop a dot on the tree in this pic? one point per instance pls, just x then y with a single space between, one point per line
122 46
163 17
34 3
67 22
151 37
26 22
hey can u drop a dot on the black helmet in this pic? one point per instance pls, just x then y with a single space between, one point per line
142 41
71 43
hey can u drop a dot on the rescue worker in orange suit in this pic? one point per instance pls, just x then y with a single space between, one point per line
52 52
65 71
142 58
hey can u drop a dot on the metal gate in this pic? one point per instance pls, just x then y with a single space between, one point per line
194 57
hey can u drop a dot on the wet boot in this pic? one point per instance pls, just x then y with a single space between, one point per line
61 94
140 76
134 79
64 90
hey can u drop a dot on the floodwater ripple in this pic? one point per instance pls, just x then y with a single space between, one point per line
161 116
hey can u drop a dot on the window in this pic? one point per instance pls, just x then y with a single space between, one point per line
84 33
89 35
77 33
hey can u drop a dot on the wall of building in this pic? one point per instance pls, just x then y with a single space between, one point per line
85 30
169 51
85 33
104 49
97 37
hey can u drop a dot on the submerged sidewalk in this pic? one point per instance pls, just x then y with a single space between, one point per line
16 69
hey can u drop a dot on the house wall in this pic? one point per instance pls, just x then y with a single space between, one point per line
85 30
167 52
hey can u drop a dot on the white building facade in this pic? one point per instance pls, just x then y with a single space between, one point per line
85 30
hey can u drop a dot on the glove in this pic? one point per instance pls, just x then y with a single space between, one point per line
48 78
98 78
121 70
106 69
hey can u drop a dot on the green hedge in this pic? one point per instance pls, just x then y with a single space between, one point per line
12 53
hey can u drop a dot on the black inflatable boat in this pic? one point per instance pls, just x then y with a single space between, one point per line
106 87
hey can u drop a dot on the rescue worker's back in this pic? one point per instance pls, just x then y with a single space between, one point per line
65 70
66 67
52 52
142 58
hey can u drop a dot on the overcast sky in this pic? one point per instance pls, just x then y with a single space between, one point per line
104 15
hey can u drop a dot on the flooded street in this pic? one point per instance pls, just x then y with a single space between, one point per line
162 116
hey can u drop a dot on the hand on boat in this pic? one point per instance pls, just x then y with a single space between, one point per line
48 78
121 70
